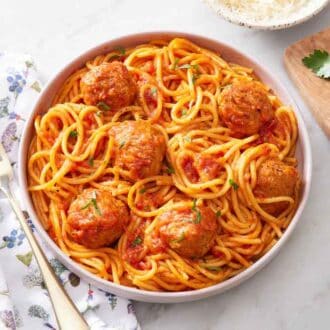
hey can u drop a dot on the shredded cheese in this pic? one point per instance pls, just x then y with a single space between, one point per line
261 10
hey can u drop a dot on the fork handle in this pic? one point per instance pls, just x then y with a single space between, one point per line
67 315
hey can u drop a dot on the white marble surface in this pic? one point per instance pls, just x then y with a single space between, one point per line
293 292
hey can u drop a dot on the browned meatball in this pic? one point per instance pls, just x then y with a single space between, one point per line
140 148
190 233
96 218
245 108
109 84
274 179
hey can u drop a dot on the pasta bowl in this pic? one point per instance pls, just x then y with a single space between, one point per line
303 154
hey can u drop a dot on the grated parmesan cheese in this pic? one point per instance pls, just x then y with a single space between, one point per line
261 10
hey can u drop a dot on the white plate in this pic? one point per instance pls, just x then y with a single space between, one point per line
227 52
312 8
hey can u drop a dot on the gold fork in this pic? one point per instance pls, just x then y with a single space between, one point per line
67 315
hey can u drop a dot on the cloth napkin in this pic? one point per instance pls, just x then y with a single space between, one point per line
24 301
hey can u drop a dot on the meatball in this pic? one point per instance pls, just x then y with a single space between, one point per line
245 108
110 84
274 179
140 148
96 218
190 233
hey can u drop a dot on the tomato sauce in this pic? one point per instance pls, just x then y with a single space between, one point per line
190 170
209 165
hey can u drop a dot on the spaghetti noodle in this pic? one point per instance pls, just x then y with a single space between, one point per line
207 167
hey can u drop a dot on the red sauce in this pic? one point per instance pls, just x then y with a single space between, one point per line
190 170
51 233
49 137
100 146
133 253
219 154
89 120
217 253
266 131
209 165
151 99
149 67
64 205
157 245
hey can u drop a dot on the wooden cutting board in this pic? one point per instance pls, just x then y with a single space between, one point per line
314 90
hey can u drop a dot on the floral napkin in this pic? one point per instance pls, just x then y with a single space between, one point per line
24 301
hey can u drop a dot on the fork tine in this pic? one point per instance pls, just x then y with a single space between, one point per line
5 167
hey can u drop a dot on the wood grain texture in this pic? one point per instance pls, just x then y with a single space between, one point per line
314 90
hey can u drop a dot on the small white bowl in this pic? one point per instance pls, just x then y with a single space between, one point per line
303 155
312 8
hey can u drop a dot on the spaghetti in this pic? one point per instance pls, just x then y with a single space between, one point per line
207 167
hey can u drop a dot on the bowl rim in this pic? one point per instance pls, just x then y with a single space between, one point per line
272 24
130 292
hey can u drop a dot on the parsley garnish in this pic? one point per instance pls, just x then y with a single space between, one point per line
183 112
175 64
103 106
121 145
187 139
114 56
91 161
179 239
319 63
96 207
195 77
73 134
218 214
170 169
233 184
94 203
198 218
86 205
142 191
121 50
137 241
154 91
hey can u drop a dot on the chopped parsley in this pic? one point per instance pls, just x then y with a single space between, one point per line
93 202
86 205
175 64
195 77
319 63
142 191
180 238
91 161
103 106
119 49
121 144
218 214
114 56
154 91
198 218
73 134
187 139
96 207
233 184
137 241
170 169
183 112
